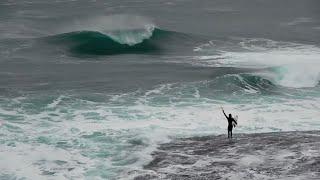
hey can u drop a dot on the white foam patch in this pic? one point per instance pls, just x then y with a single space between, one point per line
296 65
55 102
132 37
33 161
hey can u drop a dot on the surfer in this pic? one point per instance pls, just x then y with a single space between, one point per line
231 123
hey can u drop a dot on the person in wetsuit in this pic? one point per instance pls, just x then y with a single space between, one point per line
230 123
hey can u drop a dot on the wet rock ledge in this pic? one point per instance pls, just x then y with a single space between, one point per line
277 155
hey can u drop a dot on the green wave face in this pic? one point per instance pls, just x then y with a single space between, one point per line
113 43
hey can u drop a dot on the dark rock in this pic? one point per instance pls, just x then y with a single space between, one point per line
274 155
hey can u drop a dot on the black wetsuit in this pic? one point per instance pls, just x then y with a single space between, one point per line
230 126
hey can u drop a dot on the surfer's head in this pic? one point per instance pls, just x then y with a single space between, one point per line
230 116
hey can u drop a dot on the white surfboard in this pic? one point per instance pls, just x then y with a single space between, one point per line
236 119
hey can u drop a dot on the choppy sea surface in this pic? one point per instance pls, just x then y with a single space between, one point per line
88 89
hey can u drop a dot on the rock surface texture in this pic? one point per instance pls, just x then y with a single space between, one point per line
280 155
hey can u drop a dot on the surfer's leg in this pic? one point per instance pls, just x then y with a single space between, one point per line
229 131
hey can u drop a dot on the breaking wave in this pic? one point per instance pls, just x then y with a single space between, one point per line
116 42
283 63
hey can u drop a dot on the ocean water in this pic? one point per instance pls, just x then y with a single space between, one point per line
88 89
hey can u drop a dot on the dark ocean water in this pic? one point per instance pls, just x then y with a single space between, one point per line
89 88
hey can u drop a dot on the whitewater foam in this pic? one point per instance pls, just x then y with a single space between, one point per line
290 64
121 133
132 37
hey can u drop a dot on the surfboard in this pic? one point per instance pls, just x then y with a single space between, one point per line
236 119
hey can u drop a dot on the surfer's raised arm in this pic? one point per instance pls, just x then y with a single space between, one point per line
224 113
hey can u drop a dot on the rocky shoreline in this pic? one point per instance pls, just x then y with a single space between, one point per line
276 155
